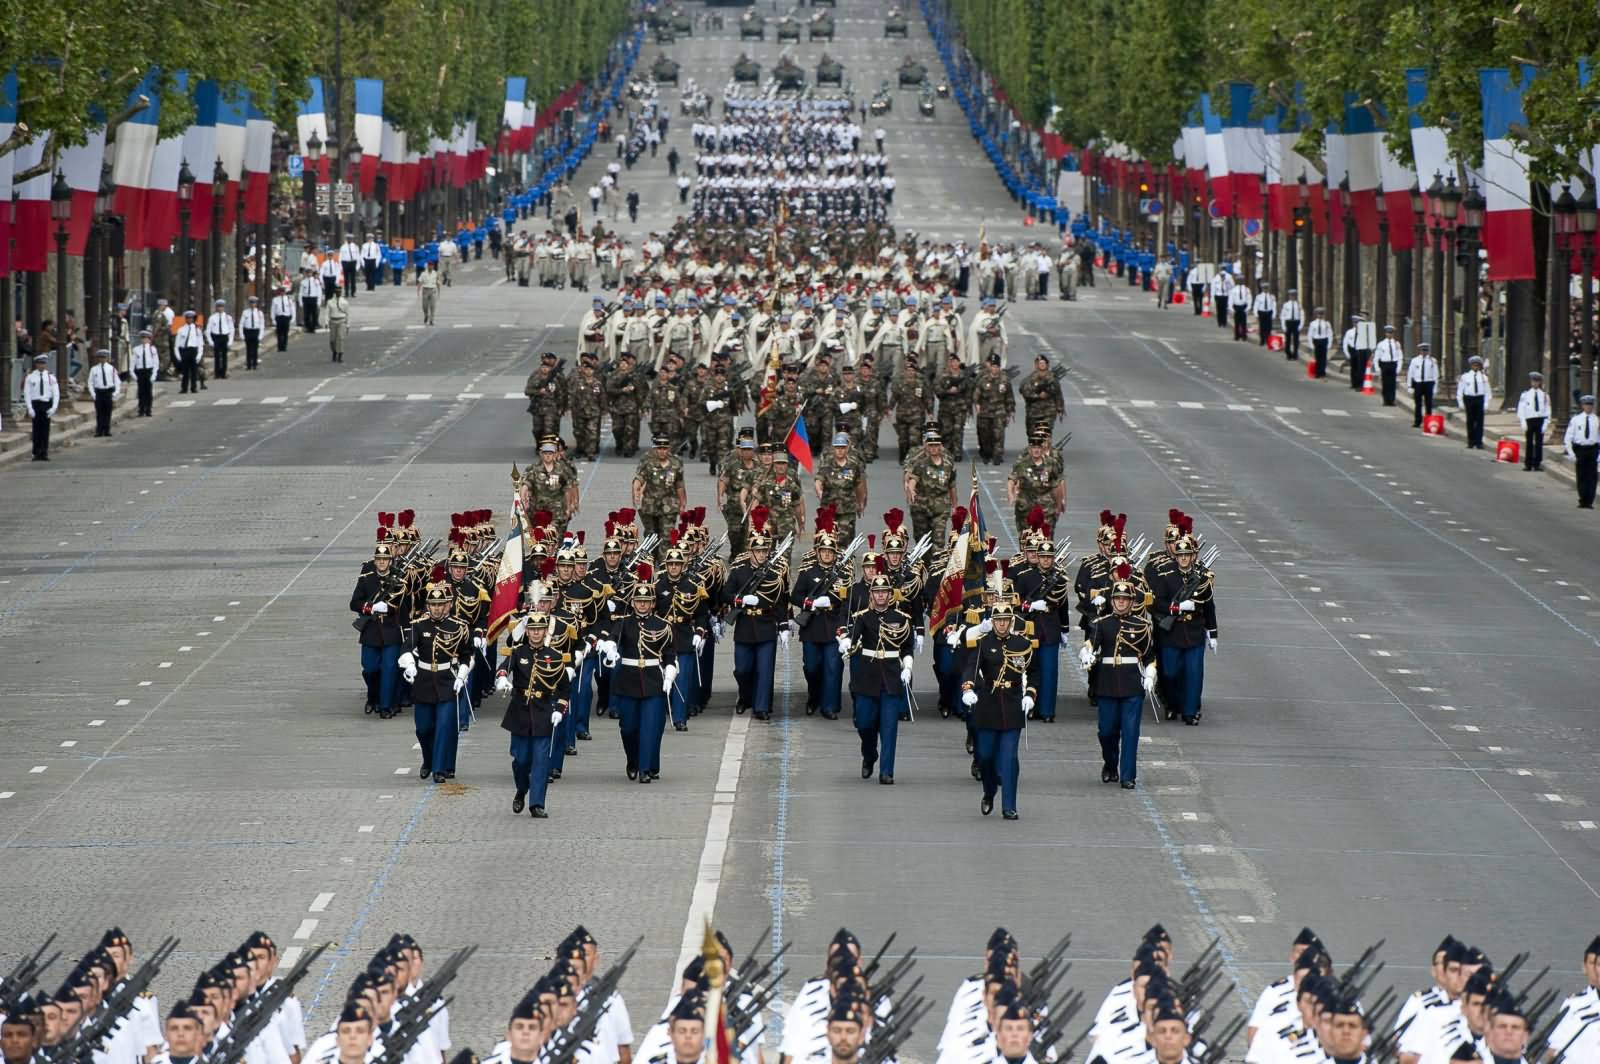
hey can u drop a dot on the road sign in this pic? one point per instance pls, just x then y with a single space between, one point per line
323 201
344 199
1150 206
1252 228
297 166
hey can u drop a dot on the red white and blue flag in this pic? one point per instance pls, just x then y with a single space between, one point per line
1508 219
799 444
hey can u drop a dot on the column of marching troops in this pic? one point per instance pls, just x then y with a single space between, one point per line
633 633
858 1010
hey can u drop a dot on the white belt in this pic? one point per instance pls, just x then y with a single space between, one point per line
642 663
428 667
1118 659
880 653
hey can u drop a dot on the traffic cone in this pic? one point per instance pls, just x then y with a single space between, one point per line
1205 301
1366 385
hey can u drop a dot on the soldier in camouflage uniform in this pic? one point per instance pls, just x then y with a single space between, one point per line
912 404
819 390
667 407
784 497
842 483
586 394
694 398
851 395
546 390
954 390
1041 396
784 410
658 489
715 409
996 405
930 483
736 477
552 488
1036 480
874 403
626 393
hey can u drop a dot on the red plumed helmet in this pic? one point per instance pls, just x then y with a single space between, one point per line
825 522
872 540
989 564
405 518
542 518
383 535
1105 517
385 520
611 529
1036 517
628 515
581 534
699 515
547 567
685 516
758 518
1046 530
644 572
882 564
1124 571
893 519
438 572
456 519
1186 525
1174 516
958 518
672 536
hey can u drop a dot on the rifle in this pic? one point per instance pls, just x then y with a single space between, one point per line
24 975
782 549
415 1017
565 1044
1218 1050
91 1032
254 1015
889 1034
803 616
643 550
877 958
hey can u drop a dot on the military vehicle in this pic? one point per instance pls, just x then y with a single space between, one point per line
882 100
788 74
746 69
664 69
911 72
829 71
681 23
925 100
788 28
822 26
895 24
752 24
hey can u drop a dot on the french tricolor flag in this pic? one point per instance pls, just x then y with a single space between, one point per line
1194 152
1362 149
392 155
369 129
230 149
200 152
1244 139
1281 198
511 118
1336 155
8 122
1508 219
80 166
313 118
134 160
257 162
1397 179
1221 190
160 225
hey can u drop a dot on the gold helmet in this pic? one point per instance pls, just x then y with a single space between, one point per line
440 592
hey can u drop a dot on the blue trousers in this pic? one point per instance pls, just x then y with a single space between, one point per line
823 669
437 732
1119 720
380 667
530 766
877 719
641 721
752 668
944 667
1048 659
999 764
708 662
583 694
559 743
1185 668
685 689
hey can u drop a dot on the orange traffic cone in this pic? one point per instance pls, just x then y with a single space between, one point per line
1205 300
1366 385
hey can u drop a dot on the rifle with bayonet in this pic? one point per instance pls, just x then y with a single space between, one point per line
24 975
566 1043
255 1015
841 561
119 1001
756 575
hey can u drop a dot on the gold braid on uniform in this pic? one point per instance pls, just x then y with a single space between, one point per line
1011 663
543 677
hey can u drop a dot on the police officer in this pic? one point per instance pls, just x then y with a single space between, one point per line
1185 614
1533 410
1423 377
637 653
282 317
145 362
42 395
999 688
1119 653
1320 333
1292 315
878 642
436 662
220 331
1582 444
106 387
188 343
1472 396
1388 358
758 589
535 675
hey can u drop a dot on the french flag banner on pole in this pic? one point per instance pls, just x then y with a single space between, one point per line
392 153
8 122
511 125
369 130
134 159
80 166
1281 196
230 150
1245 140
1336 155
161 199
1194 152
200 152
313 118
1362 148
1397 179
1508 217
257 162
1221 189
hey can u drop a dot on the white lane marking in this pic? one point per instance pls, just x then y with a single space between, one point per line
1097 402
1286 409
708 878
35 770
1336 413
69 743
181 402
291 956
413 396
370 398
1191 406
366 829
319 398
226 402
124 701
303 932
96 723
320 905
274 400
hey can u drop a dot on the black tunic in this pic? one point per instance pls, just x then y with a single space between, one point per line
1177 628
378 629
1001 671
438 647
878 640
1129 641
640 639
758 623
539 686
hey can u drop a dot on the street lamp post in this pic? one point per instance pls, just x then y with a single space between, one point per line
219 188
103 199
1381 303
1449 207
1419 243
185 205
61 214
349 165
1302 221
312 162
1564 369
1586 231
1471 224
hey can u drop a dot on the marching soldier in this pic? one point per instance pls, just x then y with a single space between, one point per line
954 389
735 486
1185 615
553 489
1043 588
338 324
841 483
376 602
913 402
658 488
999 689
1042 400
145 362
1119 652
986 336
720 410
878 642
758 591
681 600
782 497
996 405
939 336
1034 481
586 395
821 589
930 485
592 329
546 389
667 407
535 675
1094 572
638 655
625 395
437 663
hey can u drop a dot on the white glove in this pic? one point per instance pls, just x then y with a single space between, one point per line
983 627
969 697
570 674
611 605
479 642
1150 677
844 646
916 647
555 717
821 602
1085 654
407 661
1038 605
1065 639
1098 600
610 661
519 629
669 676
699 642
954 638
750 600
1186 606
905 676
1211 642
460 682
409 674
607 647
713 405
502 682
380 607
783 636
906 663
1027 704
845 408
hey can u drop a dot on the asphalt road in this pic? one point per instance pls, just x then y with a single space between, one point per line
1398 738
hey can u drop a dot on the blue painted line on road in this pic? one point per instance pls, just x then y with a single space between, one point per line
1153 814
780 828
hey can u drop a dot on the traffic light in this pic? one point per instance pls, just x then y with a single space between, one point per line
1144 188
1299 224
